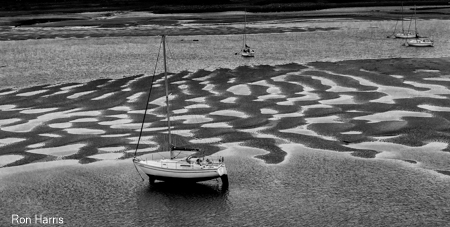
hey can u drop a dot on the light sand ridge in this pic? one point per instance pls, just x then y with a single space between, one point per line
107 156
196 106
42 119
434 108
84 131
321 111
9 121
59 151
240 89
394 115
64 125
36 145
87 119
11 140
35 111
111 149
7 159
79 94
104 96
216 125
31 93
134 98
229 100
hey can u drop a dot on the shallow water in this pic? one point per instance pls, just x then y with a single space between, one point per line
312 188
353 40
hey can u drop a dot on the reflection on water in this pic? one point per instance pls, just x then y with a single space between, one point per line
182 205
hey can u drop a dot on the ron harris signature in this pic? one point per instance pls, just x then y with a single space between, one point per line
37 219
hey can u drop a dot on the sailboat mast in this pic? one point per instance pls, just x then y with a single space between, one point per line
415 20
167 95
403 28
245 23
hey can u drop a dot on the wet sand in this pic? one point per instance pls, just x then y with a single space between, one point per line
338 106
58 93
352 133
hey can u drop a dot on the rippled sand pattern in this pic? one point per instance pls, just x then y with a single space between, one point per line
366 108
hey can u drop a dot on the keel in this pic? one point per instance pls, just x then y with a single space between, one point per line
224 179
151 179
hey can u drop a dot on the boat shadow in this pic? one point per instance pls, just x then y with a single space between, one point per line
189 189
160 202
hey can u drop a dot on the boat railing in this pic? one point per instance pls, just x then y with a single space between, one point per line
213 159
206 161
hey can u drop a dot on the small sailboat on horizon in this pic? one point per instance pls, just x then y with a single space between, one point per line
179 170
246 50
418 41
403 34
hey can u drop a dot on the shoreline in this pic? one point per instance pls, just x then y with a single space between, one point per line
259 7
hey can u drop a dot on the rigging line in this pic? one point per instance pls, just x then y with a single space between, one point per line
403 28
168 50
138 171
177 154
415 20
145 113
395 28
172 57
148 100
409 27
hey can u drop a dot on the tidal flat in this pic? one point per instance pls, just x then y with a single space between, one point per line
331 124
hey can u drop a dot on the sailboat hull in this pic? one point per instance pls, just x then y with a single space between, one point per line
247 55
183 180
420 43
405 36
173 171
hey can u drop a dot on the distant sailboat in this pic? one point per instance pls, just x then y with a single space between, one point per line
246 50
419 41
404 34
182 170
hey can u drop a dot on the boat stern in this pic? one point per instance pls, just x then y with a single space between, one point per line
222 170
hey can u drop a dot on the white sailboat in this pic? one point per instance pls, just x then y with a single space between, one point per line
181 169
246 50
419 41
405 34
